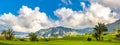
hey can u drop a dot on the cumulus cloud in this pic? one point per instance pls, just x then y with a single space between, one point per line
109 3
83 4
77 19
113 4
28 20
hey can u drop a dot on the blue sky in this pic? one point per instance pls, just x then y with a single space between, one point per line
47 6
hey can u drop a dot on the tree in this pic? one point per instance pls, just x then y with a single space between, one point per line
100 28
33 36
9 34
4 32
118 36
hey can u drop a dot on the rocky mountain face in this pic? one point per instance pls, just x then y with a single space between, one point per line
62 31
114 25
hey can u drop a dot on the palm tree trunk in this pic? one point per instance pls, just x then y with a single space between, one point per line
99 36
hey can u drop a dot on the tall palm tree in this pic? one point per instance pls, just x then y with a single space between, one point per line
100 28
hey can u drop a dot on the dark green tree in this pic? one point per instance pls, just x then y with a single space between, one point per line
99 29
33 36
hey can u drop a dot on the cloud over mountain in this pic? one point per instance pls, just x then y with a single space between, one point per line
30 20
109 3
113 4
78 19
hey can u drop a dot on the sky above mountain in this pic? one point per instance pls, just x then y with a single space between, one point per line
33 15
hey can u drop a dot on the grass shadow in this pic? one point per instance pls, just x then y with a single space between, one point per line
4 44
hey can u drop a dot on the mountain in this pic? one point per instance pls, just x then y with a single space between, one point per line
50 32
85 30
62 31
21 34
114 25
65 31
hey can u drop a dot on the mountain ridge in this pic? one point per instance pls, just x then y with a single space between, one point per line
113 25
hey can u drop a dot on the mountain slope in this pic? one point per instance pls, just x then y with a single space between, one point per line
62 31
114 25
86 30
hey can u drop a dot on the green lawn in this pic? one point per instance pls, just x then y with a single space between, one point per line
77 40
59 42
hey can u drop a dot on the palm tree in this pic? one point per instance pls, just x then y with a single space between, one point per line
4 33
100 28
9 34
33 36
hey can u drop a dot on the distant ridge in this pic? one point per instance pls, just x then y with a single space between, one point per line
62 31
113 25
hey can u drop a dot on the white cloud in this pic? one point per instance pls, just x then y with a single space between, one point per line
113 4
66 2
109 3
82 4
77 19
28 20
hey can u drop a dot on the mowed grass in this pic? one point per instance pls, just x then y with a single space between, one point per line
58 42
77 40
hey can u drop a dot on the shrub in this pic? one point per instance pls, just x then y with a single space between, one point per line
22 39
109 40
89 39
105 34
47 40
118 35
